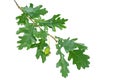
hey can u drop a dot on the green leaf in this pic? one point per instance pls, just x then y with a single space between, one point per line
69 45
41 34
34 45
63 64
40 53
27 39
34 12
80 59
75 50
27 29
22 19
40 50
55 22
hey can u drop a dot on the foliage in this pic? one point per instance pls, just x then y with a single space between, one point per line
34 33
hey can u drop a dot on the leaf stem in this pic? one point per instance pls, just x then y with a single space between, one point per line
33 21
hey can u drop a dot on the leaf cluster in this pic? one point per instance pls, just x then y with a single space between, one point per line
34 33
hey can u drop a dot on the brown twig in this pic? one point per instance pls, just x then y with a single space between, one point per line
52 37
17 5
33 20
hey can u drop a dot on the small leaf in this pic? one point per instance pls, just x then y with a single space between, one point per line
34 12
40 50
69 45
55 22
42 54
22 19
27 39
63 64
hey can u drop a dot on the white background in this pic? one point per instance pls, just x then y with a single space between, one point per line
96 23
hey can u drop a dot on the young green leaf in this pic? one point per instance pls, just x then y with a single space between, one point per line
55 22
68 44
62 62
80 59
64 69
27 39
40 53
40 50
22 19
34 12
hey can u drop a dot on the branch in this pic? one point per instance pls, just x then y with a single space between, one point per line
17 5
33 20
52 37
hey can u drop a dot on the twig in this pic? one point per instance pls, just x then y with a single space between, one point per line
33 21
52 37
17 5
